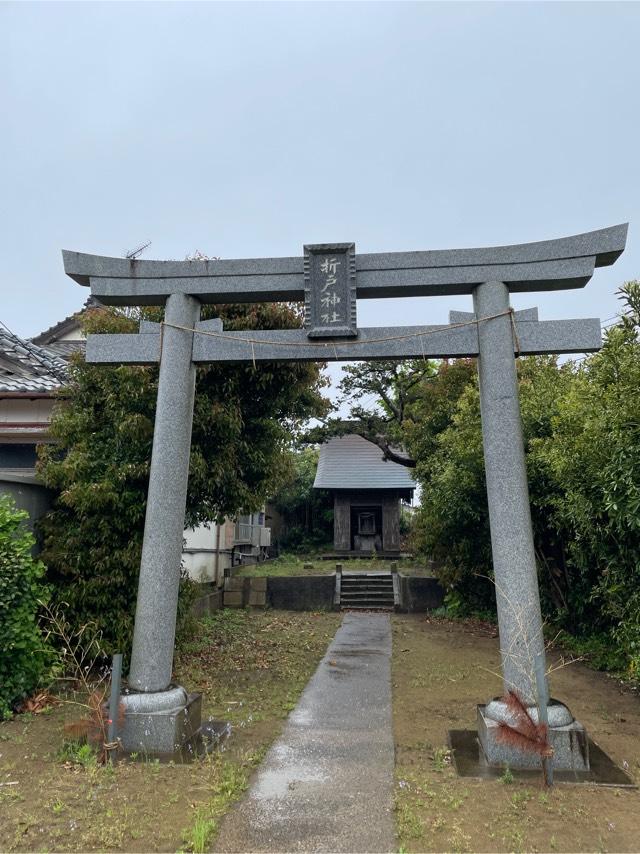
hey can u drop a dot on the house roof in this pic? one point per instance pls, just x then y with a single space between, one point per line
54 333
351 462
26 367
39 365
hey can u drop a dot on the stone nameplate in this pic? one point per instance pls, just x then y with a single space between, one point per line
330 290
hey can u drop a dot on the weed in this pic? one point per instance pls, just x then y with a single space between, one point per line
506 777
10 794
254 757
519 799
514 838
459 841
441 758
57 807
79 754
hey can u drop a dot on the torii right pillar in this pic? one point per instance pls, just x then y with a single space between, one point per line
514 563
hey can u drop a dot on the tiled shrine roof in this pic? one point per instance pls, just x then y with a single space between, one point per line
351 462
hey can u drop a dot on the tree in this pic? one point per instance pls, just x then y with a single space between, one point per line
307 513
381 394
581 425
244 420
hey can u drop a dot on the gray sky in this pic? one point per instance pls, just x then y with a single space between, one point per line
246 130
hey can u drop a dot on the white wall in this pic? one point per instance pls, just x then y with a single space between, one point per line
199 554
20 409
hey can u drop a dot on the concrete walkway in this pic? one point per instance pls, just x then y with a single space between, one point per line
327 782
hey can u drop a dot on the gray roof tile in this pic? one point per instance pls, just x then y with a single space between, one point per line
25 367
351 462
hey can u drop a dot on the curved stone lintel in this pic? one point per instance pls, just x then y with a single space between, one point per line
567 262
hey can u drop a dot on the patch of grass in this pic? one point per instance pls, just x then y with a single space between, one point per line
293 564
198 836
231 782
410 825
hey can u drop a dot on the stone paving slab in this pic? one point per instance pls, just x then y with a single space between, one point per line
327 782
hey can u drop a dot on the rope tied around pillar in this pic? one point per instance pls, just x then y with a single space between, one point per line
514 329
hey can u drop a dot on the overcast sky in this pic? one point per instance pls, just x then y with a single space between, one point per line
245 130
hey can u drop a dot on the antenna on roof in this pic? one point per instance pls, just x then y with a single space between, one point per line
131 256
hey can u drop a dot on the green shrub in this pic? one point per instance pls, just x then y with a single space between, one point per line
24 655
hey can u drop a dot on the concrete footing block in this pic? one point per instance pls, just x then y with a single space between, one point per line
570 746
159 723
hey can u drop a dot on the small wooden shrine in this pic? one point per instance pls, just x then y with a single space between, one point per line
367 491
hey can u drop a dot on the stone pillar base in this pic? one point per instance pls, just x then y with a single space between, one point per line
569 741
166 724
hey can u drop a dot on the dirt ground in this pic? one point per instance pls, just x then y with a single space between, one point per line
251 668
440 673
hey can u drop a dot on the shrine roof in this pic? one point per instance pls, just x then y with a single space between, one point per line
351 462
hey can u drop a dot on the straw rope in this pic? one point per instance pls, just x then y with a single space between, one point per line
323 345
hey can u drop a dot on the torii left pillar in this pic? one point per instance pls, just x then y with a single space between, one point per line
160 717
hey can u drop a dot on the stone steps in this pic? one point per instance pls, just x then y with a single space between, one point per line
366 591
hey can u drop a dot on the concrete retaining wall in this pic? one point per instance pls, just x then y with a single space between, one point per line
307 593
240 592
294 593
316 592
419 593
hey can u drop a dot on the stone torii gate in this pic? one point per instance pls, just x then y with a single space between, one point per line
329 277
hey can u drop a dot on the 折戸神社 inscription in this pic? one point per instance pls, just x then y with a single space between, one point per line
330 290
329 278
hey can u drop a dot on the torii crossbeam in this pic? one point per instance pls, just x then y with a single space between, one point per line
329 278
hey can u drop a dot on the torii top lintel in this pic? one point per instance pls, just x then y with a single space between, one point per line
548 265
